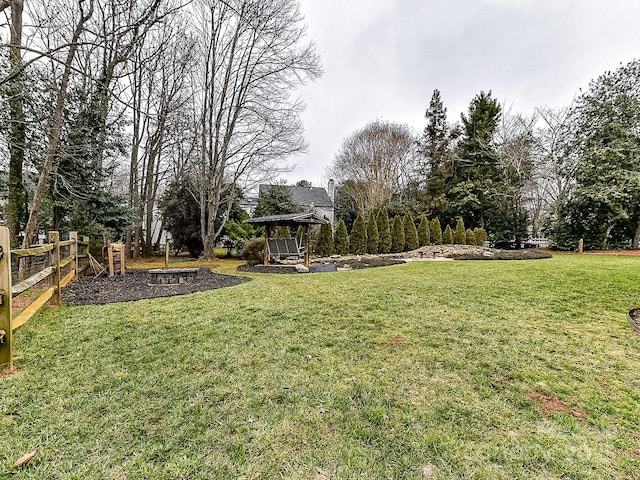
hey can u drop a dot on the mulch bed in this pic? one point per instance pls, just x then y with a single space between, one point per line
134 285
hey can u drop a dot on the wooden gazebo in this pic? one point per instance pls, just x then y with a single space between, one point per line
288 220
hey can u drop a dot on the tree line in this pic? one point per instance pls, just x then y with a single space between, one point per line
107 104
569 173
112 110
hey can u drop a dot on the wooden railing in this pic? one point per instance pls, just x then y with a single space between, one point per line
66 260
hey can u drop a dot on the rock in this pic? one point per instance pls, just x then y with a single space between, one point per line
302 269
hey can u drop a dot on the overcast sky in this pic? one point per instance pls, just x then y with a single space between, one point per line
382 59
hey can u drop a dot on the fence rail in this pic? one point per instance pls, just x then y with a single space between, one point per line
75 260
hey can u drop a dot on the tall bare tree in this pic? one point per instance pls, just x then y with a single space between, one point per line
254 60
375 162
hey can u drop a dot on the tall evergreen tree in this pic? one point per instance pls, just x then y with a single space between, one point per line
460 234
447 236
424 232
477 180
437 153
341 239
410 233
397 235
373 239
324 245
436 231
358 237
384 231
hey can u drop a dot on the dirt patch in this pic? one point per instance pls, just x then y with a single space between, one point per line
135 285
547 404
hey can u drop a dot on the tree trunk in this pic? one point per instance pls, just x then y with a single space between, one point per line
54 130
636 238
16 199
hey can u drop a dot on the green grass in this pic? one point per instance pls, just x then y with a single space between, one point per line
474 370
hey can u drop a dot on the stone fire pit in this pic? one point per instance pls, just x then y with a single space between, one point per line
172 276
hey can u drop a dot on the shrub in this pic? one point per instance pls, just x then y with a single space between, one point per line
397 235
282 232
341 239
384 231
460 234
424 232
324 245
481 236
253 251
447 236
358 237
373 240
410 233
436 232
471 237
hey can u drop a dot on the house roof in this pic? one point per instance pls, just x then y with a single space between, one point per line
308 218
306 196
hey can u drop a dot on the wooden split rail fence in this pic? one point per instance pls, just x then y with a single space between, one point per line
63 262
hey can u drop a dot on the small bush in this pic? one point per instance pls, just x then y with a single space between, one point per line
447 236
471 237
481 236
460 234
436 232
253 251
341 239
424 232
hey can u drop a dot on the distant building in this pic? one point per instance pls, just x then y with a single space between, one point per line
316 199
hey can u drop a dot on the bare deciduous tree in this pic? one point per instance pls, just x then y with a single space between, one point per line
254 60
375 162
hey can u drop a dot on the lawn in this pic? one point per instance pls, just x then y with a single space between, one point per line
443 370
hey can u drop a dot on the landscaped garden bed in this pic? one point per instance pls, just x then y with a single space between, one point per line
137 285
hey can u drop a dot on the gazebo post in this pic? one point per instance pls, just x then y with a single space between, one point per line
266 245
306 245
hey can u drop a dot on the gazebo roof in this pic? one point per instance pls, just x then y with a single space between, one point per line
289 219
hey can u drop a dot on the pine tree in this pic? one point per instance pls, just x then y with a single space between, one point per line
460 235
424 232
447 236
436 148
373 239
324 245
436 232
397 235
384 231
410 233
481 236
358 237
341 239
470 237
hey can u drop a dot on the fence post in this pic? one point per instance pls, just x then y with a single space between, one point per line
73 250
54 237
85 249
6 330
